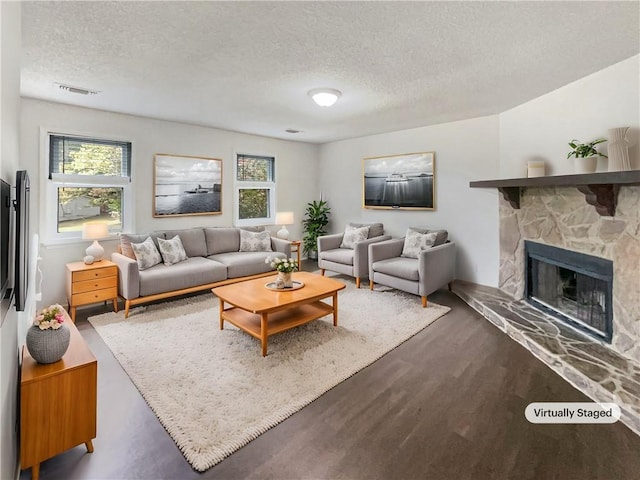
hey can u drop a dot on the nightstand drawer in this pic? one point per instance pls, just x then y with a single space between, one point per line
91 285
95 296
92 274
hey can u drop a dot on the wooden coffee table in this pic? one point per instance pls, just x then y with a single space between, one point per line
262 312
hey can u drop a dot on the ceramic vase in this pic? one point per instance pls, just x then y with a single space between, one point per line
287 280
586 164
48 346
618 150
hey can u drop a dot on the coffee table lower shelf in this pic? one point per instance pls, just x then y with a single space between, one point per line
275 322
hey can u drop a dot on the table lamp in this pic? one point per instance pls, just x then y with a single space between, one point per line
284 218
95 231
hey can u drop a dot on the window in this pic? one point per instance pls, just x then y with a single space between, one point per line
89 181
255 190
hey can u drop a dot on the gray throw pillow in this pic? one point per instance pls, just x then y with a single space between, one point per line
440 239
375 229
126 239
255 241
146 254
353 235
172 250
415 242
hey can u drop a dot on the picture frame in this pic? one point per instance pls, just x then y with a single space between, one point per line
399 182
186 185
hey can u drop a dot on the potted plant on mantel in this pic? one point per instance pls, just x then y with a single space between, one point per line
586 155
316 218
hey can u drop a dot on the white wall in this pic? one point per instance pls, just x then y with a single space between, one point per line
464 151
295 171
10 34
584 110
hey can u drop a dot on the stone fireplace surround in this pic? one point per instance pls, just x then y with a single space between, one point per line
559 216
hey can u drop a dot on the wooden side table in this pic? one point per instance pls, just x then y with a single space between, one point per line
93 283
295 248
57 403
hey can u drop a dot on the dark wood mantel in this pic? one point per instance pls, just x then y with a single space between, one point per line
600 189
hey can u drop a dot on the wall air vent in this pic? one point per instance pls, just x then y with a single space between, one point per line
79 90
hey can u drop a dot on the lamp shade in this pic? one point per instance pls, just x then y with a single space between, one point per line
284 218
94 231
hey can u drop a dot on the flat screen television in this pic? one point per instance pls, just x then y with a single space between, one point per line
22 239
5 236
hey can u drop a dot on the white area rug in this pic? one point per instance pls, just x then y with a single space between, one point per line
214 392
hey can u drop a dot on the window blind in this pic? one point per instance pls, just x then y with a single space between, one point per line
252 168
89 156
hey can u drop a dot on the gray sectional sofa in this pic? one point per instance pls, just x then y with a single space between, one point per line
213 258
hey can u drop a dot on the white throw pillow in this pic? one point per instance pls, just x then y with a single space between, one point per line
172 251
415 242
255 241
353 235
146 254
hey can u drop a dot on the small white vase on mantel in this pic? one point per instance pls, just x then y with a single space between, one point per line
586 164
618 150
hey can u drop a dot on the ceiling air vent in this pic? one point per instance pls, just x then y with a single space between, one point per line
79 90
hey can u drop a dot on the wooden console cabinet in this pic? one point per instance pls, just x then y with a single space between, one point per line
57 403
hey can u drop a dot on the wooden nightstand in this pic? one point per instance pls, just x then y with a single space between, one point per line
295 248
57 403
93 283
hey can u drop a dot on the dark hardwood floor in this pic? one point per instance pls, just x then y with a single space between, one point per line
447 404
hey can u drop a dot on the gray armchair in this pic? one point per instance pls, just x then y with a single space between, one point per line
434 268
349 261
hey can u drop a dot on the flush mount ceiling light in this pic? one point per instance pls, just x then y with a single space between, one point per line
325 97
79 90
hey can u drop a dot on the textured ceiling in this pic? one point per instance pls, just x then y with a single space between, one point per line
247 66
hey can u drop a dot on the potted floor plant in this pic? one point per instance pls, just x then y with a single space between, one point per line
586 155
316 219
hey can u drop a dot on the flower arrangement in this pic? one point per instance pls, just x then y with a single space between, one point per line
50 317
286 265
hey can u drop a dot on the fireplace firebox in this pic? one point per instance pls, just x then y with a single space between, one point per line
574 287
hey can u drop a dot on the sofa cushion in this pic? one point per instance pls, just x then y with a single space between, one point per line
415 242
146 254
353 235
241 264
126 239
255 241
375 229
222 240
192 240
440 239
400 267
172 250
338 255
190 273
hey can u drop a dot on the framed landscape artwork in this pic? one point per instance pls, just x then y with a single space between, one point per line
185 185
405 182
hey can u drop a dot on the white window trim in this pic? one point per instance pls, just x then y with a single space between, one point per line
49 189
240 185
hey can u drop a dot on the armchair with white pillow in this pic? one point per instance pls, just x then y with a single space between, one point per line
347 252
420 263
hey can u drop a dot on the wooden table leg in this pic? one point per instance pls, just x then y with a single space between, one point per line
35 472
263 334
115 305
221 310
73 314
89 445
335 309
